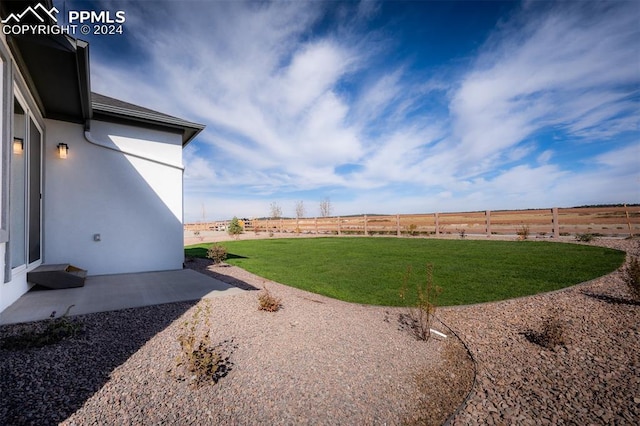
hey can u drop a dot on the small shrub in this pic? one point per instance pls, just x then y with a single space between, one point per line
585 238
55 330
463 233
217 253
523 232
268 302
203 359
550 335
419 315
199 357
631 277
412 229
235 228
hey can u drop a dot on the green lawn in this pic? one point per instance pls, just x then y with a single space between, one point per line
371 270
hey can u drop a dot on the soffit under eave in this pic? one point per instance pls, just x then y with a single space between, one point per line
57 71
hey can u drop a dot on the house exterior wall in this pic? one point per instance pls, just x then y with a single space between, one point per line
4 140
127 187
134 204
13 284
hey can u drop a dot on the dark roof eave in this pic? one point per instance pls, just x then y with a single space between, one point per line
188 129
187 138
163 119
67 69
84 77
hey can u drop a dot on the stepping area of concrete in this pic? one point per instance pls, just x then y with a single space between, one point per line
112 292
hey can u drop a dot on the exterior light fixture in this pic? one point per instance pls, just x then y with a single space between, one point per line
63 150
18 146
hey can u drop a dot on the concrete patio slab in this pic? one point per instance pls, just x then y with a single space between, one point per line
112 292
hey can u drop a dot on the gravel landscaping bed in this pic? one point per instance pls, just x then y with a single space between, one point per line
316 361
593 378
322 361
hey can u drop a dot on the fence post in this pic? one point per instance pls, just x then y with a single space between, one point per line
365 226
488 223
398 225
339 230
437 225
281 226
556 225
626 212
315 223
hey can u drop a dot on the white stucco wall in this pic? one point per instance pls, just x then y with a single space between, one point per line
12 290
134 204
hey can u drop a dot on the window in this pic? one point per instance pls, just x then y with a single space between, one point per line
24 189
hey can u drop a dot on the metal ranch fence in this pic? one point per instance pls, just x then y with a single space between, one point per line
599 221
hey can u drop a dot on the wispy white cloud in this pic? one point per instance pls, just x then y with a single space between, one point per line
568 66
289 105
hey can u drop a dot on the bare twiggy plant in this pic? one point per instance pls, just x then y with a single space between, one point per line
420 312
268 302
523 232
203 361
46 333
551 333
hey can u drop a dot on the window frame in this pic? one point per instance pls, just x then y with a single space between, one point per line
30 119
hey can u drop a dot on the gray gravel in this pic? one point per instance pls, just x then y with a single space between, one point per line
594 378
321 361
316 361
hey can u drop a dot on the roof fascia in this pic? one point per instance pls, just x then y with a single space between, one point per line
187 133
144 116
188 129
84 77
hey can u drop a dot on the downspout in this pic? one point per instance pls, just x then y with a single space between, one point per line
89 138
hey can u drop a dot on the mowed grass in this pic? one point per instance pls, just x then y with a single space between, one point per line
371 270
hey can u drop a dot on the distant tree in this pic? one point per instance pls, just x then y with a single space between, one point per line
276 211
235 228
300 212
325 207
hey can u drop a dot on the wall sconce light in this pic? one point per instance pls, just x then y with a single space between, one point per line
18 146
63 150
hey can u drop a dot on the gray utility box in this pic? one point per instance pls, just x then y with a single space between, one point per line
57 276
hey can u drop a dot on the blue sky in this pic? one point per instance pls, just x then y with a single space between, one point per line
387 107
